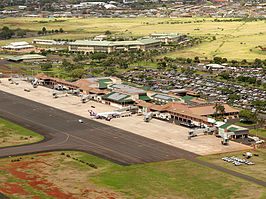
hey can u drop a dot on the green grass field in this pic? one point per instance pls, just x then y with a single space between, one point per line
261 132
234 40
257 171
169 179
245 123
146 64
12 134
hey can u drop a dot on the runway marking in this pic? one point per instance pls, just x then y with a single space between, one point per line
67 138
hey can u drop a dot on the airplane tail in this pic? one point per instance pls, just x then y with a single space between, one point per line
92 113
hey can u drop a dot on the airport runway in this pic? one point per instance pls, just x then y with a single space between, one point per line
62 131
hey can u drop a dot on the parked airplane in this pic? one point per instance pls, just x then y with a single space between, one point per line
106 115
92 113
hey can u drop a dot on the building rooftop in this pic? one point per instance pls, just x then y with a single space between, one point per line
187 98
165 97
113 43
144 98
164 34
117 97
210 110
127 88
91 43
48 40
224 126
232 127
18 45
26 57
22 43
104 82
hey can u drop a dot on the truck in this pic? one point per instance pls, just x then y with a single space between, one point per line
225 139
199 131
149 116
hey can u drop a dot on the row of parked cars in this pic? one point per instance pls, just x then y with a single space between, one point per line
237 161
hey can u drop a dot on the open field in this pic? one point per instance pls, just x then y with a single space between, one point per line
40 176
12 134
230 48
257 171
158 130
51 175
234 40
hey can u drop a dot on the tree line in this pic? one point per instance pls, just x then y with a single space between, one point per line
7 33
44 31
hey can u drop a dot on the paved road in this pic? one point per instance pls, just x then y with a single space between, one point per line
62 131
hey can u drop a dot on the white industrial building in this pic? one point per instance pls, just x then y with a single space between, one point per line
18 46
49 42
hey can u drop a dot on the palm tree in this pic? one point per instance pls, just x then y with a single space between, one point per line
218 109
221 109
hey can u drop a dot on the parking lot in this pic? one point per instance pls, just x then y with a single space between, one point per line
157 130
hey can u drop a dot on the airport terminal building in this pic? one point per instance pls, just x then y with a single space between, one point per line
171 107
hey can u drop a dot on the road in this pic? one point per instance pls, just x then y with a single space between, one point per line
62 131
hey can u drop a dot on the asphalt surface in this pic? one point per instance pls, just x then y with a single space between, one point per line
62 131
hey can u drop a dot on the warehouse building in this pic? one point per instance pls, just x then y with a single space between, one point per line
167 37
112 46
48 42
27 58
17 46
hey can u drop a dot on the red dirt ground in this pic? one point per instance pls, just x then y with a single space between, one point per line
30 171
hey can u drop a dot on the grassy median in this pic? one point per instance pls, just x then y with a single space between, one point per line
12 134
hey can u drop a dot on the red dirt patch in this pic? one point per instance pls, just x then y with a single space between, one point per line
43 172
46 154
13 188
36 181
